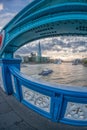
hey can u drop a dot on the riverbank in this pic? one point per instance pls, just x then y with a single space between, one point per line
84 62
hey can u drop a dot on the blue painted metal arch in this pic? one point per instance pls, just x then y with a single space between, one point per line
45 19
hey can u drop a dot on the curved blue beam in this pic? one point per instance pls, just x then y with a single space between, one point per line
45 19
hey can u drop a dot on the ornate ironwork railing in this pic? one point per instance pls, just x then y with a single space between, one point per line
57 102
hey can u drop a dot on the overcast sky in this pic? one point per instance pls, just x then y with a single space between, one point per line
9 8
59 47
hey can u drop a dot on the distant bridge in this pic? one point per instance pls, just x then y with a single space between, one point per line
41 19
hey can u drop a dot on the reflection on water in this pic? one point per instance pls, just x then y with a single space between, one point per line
65 73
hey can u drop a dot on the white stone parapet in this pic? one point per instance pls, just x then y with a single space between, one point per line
37 99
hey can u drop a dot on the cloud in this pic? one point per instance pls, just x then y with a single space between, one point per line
58 47
5 18
9 8
1 6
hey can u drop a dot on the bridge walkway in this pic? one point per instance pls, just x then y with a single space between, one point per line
16 116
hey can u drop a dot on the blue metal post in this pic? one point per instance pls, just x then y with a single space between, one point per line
6 75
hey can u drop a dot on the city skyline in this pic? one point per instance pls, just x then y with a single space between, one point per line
58 47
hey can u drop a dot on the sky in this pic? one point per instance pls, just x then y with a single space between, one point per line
66 48
60 47
9 8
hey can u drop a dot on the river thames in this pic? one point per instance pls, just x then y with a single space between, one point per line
65 73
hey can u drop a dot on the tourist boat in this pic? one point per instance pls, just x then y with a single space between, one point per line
58 61
46 72
76 62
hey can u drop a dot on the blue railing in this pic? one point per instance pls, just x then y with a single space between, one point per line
59 103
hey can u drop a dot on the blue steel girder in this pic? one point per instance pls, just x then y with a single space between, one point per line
45 18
